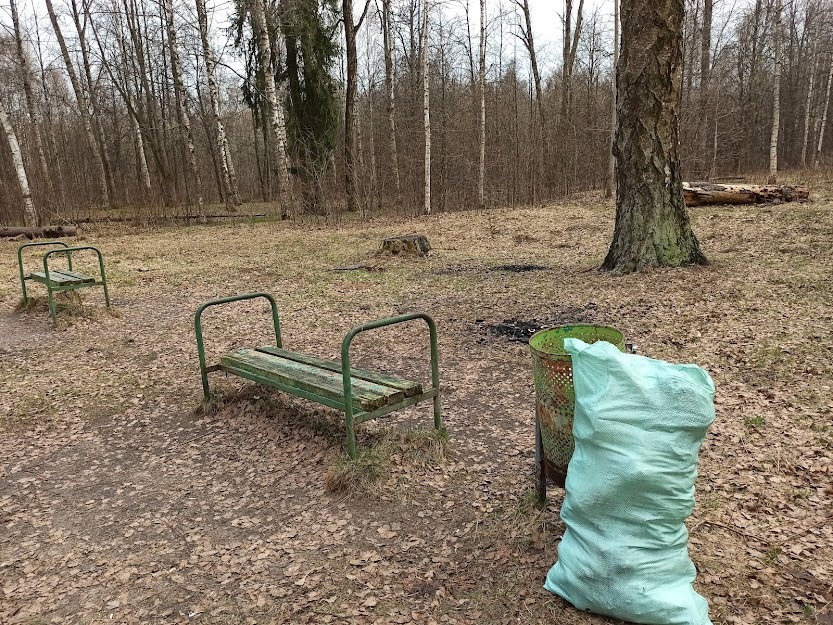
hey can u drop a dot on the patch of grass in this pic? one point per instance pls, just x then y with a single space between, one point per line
354 475
420 446
772 555
754 421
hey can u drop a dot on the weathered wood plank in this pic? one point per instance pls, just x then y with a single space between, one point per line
74 274
406 386
366 395
60 277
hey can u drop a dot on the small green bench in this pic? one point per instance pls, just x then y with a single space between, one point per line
361 395
57 280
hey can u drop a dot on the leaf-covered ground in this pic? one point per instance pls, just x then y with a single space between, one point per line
119 504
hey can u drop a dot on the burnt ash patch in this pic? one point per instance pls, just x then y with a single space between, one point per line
519 268
521 330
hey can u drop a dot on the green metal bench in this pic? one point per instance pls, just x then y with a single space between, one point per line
360 395
58 280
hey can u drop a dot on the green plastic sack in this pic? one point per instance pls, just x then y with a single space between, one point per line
638 427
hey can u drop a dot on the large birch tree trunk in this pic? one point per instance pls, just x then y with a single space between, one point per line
30 216
274 106
610 184
82 105
652 222
823 125
776 99
808 107
387 43
229 176
481 170
182 108
30 101
426 112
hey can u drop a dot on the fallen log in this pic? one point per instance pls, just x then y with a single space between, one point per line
38 233
699 193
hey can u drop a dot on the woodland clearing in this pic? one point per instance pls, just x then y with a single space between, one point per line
119 504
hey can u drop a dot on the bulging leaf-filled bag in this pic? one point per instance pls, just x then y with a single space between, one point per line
638 427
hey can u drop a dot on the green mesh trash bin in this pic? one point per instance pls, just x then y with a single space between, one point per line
555 397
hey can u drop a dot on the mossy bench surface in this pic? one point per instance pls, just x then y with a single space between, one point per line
322 377
60 277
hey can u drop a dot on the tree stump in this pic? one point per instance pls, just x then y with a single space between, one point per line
406 245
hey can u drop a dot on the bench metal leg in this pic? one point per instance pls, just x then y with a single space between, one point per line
351 432
51 303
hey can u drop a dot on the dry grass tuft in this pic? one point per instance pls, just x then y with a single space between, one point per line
352 476
418 446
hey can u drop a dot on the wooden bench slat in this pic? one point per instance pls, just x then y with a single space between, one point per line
74 274
408 387
366 395
61 277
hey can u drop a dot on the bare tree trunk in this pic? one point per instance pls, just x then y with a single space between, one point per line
93 101
570 44
350 32
82 105
30 101
529 43
481 170
652 222
274 107
610 187
426 112
229 177
30 216
391 100
372 194
705 89
182 108
823 124
776 99
809 104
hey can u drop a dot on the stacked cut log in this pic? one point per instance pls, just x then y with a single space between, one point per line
699 193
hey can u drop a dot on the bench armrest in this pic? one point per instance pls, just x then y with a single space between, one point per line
345 367
68 251
227 300
20 259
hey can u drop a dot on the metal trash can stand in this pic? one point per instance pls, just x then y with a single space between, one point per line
555 396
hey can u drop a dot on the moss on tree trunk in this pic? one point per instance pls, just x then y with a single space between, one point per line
652 222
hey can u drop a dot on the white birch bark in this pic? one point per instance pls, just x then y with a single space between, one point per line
809 104
275 115
30 216
426 111
229 176
481 170
30 99
371 87
776 99
391 100
610 187
182 108
823 123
